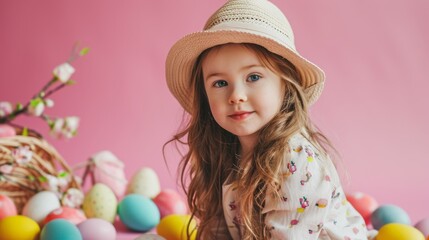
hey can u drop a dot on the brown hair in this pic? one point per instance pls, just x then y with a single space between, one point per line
212 152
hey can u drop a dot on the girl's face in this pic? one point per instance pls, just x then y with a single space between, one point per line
243 94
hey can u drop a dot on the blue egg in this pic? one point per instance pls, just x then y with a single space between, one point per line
138 213
389 214
60 229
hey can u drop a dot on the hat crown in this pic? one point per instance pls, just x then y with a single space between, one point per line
253 15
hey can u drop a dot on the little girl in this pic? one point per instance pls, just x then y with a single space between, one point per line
257 167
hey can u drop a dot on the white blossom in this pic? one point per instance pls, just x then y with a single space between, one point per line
22 155
36 109
51 183
49 103
65 127
63 72
73 198
5 108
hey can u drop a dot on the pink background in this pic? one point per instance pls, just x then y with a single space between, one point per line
374 107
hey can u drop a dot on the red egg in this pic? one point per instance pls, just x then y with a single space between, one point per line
73 215
170 202
363 203
7 207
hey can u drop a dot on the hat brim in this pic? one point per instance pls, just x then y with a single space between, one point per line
184 53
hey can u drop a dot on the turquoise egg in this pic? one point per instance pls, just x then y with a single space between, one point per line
138 212
389 214
60 229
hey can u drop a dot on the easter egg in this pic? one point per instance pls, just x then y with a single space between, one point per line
73 215
7 207
145 182
60 229
7 131
100 202
389 214
109 170
97 229
40 205
18 227
423 226
169 202
363 203
149 236
398 231
138 213
174 227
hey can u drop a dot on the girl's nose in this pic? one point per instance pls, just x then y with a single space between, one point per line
238 95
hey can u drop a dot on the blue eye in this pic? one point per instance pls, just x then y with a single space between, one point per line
253 78
220 83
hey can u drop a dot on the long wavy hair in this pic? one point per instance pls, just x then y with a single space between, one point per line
212 152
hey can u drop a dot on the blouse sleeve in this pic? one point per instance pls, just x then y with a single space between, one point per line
305 208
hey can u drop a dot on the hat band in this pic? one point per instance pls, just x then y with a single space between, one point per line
259 29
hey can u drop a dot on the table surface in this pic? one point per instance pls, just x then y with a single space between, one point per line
125 234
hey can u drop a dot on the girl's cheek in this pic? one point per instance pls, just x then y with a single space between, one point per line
214 109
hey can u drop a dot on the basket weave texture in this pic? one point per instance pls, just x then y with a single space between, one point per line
24 179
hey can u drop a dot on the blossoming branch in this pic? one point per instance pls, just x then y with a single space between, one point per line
59 127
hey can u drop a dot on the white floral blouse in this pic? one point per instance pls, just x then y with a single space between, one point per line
313 204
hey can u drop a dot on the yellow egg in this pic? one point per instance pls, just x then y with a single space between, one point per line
398 231
100 202
174 227
18 227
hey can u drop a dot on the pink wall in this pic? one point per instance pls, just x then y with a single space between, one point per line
374 108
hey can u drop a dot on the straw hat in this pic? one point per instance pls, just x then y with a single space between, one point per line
239 21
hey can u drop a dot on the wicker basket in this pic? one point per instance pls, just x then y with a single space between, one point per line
22 181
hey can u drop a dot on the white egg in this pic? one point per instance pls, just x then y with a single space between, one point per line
40 205
145 182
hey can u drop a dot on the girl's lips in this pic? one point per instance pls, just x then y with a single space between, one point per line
240 115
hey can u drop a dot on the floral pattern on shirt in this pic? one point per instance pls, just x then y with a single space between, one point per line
312 203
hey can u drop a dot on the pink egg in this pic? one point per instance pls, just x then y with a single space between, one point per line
97 229
170 202
7 207
7 131
423 226
73 215
363 203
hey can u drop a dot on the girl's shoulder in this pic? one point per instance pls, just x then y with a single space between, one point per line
300 140
299 145
304 154
301 152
